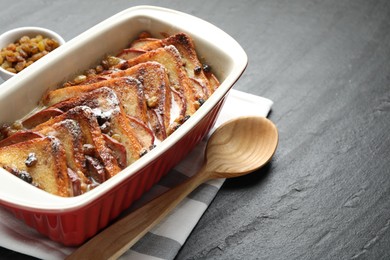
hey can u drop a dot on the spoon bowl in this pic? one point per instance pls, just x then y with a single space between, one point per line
241 146
238 147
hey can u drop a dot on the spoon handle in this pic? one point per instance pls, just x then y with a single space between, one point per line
116 239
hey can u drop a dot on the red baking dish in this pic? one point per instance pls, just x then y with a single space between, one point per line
73 220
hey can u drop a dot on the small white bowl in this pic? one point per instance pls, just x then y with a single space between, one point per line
15 34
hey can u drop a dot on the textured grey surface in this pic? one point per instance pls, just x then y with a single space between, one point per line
326 65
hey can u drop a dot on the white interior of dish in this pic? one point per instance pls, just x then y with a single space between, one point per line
20 94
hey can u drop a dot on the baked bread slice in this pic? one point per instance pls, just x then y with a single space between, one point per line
69 133
129 91
40 162
164 105
170 58
99 161
158 95
112 120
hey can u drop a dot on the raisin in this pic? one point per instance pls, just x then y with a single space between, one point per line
201 101
105 127
25 176
197 69
79 79
186 118
31 160
206 68
143 152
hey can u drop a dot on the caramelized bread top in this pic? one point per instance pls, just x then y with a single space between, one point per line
129 91
191 63
41 162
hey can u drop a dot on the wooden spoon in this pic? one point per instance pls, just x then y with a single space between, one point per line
236 148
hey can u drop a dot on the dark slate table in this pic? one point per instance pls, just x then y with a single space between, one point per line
326 65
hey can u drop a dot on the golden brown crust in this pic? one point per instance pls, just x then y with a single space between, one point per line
170 58
128 90
70 135
49 171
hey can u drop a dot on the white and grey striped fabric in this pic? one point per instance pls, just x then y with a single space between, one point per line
165 240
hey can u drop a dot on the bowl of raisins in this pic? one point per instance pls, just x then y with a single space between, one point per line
21 47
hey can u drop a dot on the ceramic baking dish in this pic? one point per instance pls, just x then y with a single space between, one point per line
73 220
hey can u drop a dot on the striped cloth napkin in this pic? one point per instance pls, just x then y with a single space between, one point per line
166 239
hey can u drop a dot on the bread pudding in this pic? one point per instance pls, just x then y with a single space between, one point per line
92 127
